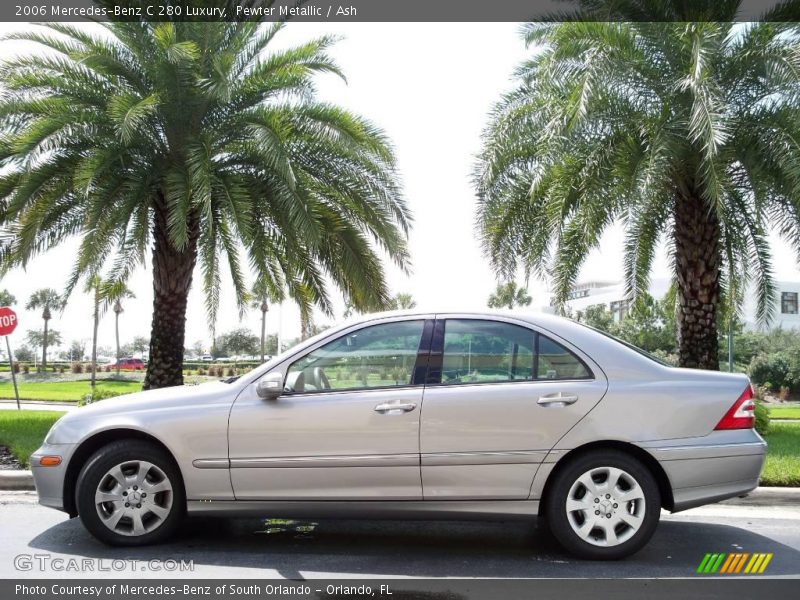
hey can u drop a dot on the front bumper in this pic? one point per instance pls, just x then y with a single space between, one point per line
704 470
50 481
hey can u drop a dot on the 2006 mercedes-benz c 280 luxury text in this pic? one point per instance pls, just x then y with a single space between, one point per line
418 415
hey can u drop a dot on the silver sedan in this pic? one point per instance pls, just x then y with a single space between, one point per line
418 415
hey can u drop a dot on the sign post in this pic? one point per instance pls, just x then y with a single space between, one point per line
8 323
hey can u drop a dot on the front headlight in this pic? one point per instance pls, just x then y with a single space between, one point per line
51 435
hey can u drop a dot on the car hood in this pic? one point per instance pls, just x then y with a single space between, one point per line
124 410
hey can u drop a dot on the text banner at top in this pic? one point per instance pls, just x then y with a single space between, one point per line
397 10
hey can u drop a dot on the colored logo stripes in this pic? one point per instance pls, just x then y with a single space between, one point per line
737 562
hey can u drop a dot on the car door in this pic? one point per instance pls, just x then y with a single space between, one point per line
499 395
347 424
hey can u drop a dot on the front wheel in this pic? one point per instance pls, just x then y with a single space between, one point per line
603 505
129 493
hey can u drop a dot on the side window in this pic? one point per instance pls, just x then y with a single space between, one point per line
556 362
372 357
486 351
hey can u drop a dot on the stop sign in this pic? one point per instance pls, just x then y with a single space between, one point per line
8 321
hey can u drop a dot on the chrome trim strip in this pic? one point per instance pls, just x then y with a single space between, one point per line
514 457
305 462
707 447
211 463
391 509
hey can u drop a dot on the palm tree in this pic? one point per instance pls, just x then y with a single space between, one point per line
683 131
94 286
508 295
7 298
262 294
48 300
115 293
198 142
402 302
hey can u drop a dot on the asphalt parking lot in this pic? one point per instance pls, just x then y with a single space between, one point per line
249 548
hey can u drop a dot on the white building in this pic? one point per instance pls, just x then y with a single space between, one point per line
612 296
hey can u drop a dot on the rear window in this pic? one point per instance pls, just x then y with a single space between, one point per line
636 349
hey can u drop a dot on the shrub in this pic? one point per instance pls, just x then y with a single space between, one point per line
61 370
77 367
783 393
201 371
96 396
26 369
16 367
762 417
231 372
771 368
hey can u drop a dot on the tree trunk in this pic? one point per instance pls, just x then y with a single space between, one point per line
116 334
94 338
697 264
172 278
263 332
44 345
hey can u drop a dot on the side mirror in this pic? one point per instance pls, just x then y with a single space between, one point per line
270 386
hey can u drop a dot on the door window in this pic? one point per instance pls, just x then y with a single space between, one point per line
556 362
378 356
476 351
486 351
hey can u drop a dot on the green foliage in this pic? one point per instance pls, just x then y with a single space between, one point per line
7 298
402 302
762 417
24 431
649 324
216 129
615 120
35 337
782 467
508 295
98 394
236 342
24 353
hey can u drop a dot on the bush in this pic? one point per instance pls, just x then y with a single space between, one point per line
231 372
26 369
762 417
201 371
96 396
774 369
16 367
77 367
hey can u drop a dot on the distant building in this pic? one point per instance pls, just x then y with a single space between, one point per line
612 296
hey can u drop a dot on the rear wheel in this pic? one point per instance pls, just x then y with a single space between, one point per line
603 505
129 493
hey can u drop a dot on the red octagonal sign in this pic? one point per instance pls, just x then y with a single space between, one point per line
8 321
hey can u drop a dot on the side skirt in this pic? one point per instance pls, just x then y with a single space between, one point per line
479 510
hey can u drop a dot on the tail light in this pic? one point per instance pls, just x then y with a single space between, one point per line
742 415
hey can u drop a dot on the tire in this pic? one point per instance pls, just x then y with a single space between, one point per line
593 525
119 514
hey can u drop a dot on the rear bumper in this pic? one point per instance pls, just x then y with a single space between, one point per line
704 470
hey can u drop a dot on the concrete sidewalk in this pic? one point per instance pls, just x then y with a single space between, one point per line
11 404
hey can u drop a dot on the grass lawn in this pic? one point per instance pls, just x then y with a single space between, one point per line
784 412
65 390
783 458
23 430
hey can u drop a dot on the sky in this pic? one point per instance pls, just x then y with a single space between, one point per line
430 87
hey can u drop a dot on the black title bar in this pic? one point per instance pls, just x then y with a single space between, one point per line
397 10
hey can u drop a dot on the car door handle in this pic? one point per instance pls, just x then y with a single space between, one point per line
556 400
390 407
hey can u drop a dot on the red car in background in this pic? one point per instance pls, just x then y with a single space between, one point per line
129 364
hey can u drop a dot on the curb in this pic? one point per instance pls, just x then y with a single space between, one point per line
16 480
